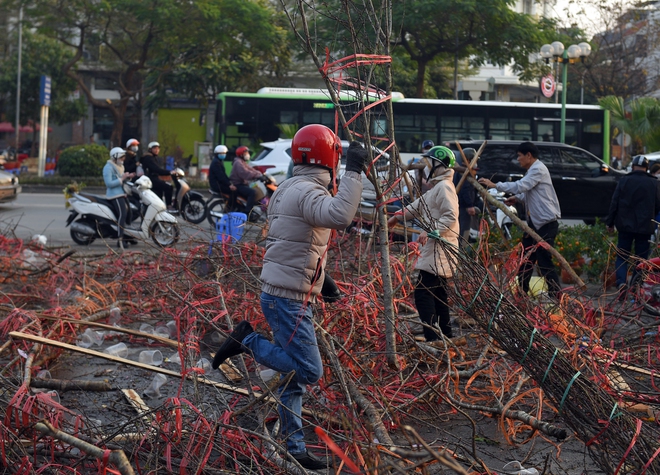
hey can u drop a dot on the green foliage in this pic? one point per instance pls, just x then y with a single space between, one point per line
41 55
639 117
83 160
591 243
288 130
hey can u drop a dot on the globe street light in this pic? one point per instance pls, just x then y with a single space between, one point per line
558 54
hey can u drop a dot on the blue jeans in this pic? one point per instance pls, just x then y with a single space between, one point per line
294 348
624 246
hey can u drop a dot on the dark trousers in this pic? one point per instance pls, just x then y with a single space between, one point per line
623 248
161 188
249 194
541 257
431 303
464 223
121 212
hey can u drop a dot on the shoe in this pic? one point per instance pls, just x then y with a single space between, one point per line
622 292
172 209
233 345
310 461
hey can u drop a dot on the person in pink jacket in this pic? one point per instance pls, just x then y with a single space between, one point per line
437 210
241 176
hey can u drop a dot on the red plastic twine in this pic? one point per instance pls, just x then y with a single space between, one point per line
336 450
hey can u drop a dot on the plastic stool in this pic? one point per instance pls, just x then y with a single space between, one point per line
231 225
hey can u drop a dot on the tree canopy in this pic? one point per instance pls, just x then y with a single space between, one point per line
41 56
152 47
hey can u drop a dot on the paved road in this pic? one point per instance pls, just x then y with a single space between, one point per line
44 213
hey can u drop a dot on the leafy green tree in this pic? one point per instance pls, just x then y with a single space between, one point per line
640 118
41 56
438 31
149 46
83 160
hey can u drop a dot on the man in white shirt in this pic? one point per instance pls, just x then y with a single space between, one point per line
536 191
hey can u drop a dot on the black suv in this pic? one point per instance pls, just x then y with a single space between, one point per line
583 182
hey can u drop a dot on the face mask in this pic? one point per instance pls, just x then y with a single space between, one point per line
133 148
220 156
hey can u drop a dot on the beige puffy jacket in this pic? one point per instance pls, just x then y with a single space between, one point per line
301 215
437 209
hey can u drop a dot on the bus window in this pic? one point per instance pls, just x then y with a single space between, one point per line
462 128
498 128
411 130
521 129
545 131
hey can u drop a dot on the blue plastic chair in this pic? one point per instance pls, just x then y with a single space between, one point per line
231 226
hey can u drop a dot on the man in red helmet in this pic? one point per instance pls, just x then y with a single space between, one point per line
241 175
301 215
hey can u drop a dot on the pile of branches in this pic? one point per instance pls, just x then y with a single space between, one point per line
365 414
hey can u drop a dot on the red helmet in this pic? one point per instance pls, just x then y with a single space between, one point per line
241 150
316 144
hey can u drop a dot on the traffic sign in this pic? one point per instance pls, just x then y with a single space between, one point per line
44 95
548 85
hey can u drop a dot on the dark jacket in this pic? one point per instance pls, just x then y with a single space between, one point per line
467 195
635 203
130 162
218 179
151 165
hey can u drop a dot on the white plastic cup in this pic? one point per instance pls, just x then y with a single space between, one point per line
204 364
153 390
43 374
267 374
146 328
175 358
162 332
151 357
216 337
53 395
120 349
115 316
174 332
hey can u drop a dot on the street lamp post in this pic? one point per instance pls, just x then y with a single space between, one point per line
560 55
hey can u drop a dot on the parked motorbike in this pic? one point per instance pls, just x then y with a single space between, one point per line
503 221
220 203
191 204
93 217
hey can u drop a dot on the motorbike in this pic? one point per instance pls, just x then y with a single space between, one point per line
503 221
93 217
191 204
221 203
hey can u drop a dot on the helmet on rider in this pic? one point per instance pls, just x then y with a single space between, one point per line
240 151
152 145
132 143
317 145
640 161
440 156
427 144
220 152
117 153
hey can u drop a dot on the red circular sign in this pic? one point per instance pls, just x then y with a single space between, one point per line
548 85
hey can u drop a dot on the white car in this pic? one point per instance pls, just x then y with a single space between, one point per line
275 158
9 187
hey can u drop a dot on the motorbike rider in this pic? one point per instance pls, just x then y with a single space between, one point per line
131 161
421 169
151 163
468 200
218 179
114 177
241 175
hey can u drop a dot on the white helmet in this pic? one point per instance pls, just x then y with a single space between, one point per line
153 144
117 153
221 149
132 142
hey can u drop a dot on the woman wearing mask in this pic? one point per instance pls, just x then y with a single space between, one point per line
114 177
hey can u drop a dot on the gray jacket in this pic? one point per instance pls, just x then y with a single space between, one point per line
301 214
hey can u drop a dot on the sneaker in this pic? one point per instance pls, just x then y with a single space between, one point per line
233 345
310 461
622 292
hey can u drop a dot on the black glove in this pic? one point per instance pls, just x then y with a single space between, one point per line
356 158
330 291
264 179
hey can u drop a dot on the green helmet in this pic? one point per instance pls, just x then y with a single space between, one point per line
441 154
